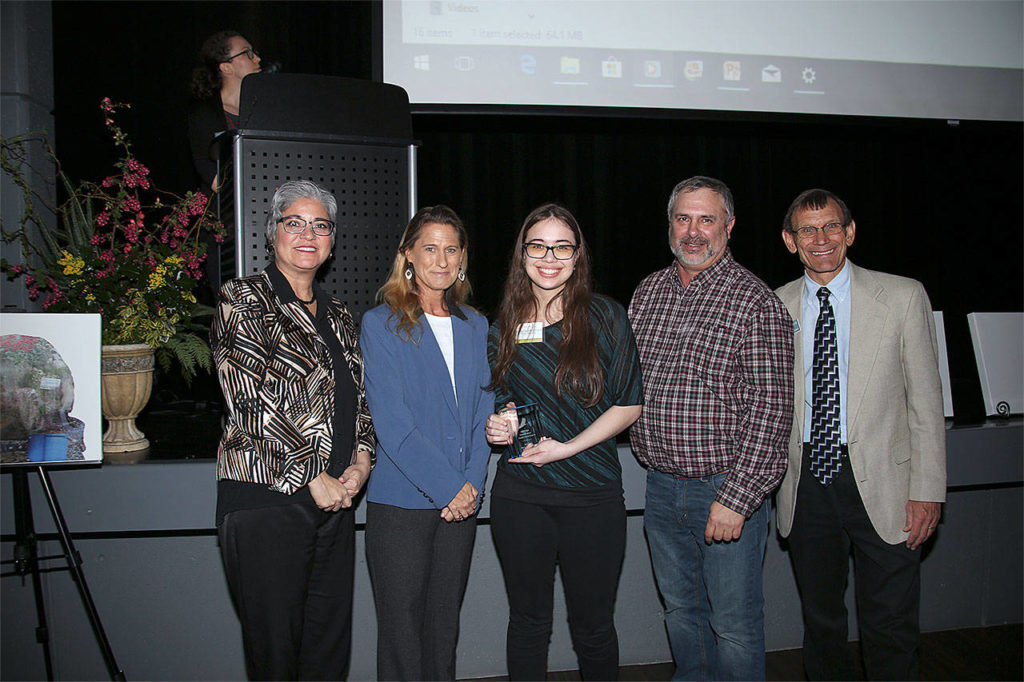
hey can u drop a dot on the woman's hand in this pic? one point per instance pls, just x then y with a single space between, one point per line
498 429
354 477
329 493
545 451
463 505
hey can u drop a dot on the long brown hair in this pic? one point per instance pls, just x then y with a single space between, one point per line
578 371
400 293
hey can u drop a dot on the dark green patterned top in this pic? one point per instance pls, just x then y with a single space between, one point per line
531 379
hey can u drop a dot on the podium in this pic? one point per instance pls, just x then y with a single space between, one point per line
351 137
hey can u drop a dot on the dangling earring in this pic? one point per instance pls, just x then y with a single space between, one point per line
462 275
408 272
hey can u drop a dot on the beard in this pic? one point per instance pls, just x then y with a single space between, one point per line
709 252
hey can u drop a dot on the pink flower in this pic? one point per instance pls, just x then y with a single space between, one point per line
106 104
198 204
54 297
97 239
102 219
16 270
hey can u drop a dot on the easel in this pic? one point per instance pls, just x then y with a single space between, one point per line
26 560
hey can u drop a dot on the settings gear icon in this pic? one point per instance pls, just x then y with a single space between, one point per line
808 75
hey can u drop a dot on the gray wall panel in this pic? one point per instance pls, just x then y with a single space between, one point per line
166 608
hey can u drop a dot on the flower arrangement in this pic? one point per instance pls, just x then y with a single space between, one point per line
123 248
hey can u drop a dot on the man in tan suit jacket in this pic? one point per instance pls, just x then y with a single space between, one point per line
881 492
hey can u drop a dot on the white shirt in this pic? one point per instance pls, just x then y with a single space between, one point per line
442 328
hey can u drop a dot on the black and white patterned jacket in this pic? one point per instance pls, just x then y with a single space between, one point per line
278 380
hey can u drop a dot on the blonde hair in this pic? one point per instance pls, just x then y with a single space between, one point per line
401 293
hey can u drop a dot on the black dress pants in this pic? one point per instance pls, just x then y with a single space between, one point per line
588 545
290 570
827 522
419 566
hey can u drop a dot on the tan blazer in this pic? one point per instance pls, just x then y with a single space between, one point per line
894 419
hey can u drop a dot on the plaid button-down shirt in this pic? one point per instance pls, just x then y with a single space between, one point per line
717 362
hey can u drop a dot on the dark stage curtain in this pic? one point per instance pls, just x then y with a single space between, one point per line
938 202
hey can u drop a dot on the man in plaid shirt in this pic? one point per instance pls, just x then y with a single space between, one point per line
716 350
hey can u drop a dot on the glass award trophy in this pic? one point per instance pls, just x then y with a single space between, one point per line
525 422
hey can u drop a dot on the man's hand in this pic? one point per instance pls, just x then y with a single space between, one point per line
921 520
724 525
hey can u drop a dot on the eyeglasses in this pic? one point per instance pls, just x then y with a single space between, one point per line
248 52
293 224
560 251
809 231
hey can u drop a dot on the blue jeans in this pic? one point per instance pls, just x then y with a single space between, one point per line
714 606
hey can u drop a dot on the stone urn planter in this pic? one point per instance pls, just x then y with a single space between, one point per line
127 381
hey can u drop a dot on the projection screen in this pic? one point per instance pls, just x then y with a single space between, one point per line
940 59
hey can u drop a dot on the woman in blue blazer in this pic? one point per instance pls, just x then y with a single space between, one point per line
426 366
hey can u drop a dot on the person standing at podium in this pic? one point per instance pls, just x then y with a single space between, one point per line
227 57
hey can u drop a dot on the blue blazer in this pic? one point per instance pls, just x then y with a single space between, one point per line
428 445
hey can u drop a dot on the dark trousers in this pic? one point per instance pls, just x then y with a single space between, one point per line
290 570
588 544
828 521
419 565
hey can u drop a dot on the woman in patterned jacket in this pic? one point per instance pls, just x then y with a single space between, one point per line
571 353
297 447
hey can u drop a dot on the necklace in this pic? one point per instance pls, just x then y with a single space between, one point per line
309 302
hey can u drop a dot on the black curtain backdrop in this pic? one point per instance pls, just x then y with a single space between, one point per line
938 202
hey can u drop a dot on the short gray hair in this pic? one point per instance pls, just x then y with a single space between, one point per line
702 182
290 192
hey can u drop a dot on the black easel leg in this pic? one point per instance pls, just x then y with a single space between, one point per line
26 558
75 566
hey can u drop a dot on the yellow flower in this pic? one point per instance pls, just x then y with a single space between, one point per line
156 278
71 264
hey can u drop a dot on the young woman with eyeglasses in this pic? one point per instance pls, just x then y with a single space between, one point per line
570 353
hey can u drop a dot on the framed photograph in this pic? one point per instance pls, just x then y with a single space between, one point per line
50 409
